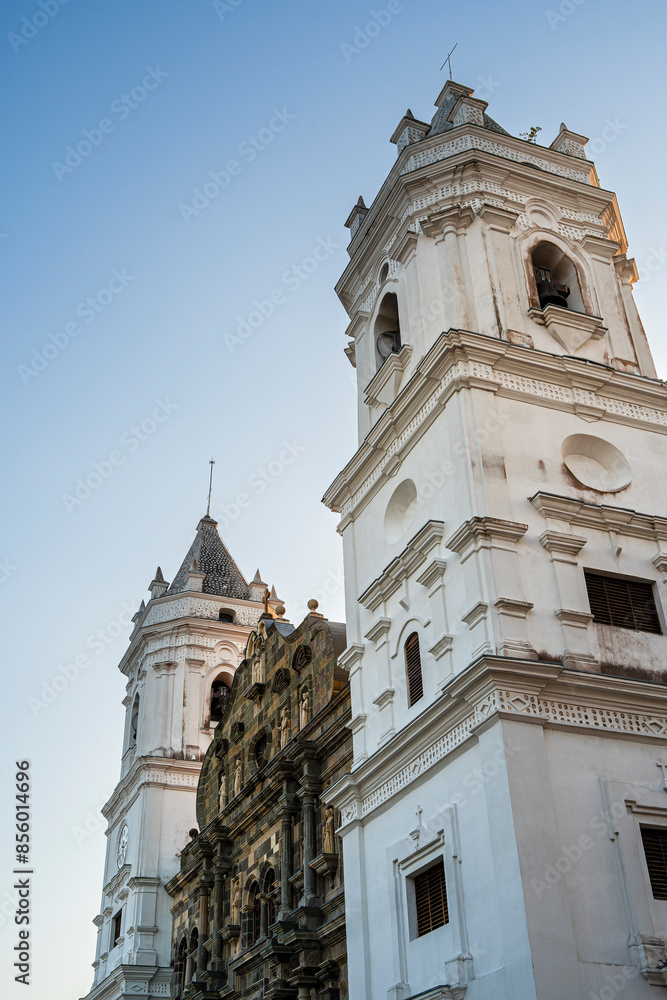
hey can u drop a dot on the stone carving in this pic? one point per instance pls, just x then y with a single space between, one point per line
304 709
237 776
236 902
281 679
302 657
222 796
285 726
328 832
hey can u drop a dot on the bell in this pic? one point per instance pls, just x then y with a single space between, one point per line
552 293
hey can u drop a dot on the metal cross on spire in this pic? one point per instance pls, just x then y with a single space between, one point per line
210 486
448 62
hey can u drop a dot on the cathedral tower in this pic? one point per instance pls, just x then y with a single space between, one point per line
505 528
184 650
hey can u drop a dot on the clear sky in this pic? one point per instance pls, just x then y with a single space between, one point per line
125 295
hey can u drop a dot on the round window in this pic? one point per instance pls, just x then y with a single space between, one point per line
596 463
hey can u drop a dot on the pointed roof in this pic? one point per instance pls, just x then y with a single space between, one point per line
209 555
449 95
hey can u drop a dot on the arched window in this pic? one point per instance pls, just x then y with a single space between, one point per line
413 669
134 722
219 699
387 330
224 615
256 913
556 278
269 886
191 965
180 961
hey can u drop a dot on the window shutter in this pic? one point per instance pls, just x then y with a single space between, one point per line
655 849
431 899
413 667
622 603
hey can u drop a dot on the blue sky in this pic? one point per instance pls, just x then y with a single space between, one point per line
153 371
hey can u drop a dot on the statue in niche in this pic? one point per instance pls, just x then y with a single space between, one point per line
304 710
237 776
328 832
222 796
285 726
219 696
236 902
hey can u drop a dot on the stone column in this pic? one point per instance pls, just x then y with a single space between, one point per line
263 915
216 925
203 927
307 793
308 817
285 862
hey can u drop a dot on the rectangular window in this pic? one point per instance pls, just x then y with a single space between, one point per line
431 898
655 850
623 603
115 928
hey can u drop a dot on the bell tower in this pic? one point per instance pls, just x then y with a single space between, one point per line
504 526
184 650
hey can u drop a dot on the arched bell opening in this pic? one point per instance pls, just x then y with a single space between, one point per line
556 279
387 329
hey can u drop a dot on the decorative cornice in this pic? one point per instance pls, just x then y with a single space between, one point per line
391 369
433 574
459 360
562 543
602 517
528 690
578 619
475 615
485 532
441 647
351 657
163 771
378 630
117 880
512 608
412 556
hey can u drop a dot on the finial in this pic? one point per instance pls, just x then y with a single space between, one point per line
448 62
210 485
313 605
280 610
158 575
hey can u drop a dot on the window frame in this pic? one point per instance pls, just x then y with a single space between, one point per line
412 879
595 575
410 669
116 934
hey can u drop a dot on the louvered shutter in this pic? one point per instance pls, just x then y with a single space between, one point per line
413 667
623 603
655 849
431 899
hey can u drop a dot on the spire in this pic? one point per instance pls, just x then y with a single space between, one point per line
356 216
257 588
208 556
158 585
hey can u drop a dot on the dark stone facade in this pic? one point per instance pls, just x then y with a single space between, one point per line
259 907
